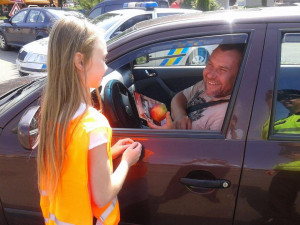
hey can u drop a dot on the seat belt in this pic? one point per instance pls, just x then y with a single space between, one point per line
193 108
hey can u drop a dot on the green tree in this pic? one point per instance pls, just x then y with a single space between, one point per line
207 5
88 4
189 4
203 5
214 5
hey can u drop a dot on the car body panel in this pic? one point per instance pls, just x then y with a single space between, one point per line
254 206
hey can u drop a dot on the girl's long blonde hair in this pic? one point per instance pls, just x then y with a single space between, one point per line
64 93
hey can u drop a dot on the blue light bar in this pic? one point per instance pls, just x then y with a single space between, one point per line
140 5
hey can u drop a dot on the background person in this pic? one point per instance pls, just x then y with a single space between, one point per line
290 99
176 4
76 180
213 93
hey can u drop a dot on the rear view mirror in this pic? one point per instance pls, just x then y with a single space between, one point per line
6 21
28 131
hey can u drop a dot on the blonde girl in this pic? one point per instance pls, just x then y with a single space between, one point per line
74 160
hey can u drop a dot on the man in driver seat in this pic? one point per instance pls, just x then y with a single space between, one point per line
203 106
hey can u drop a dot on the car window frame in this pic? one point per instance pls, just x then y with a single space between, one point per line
271 135
206 134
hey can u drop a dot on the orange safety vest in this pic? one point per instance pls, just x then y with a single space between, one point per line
71 204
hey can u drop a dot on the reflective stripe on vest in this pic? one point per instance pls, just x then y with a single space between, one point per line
53 218
294 130
109 209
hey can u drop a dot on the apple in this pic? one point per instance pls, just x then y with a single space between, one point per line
158 112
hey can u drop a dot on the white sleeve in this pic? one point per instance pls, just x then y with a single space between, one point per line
187 92
97 137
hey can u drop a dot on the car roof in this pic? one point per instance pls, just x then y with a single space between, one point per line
219 17
143 11
254 15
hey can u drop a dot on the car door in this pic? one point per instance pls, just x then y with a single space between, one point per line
31 27
19 195
270 181
14 32
154 191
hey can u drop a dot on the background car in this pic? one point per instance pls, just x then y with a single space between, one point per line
110 5
185 176
32 58
30 24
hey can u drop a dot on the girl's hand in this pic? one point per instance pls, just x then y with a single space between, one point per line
119 147
132 154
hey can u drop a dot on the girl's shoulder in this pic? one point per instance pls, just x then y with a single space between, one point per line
94 119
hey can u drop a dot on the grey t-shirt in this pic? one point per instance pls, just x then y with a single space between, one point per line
210 118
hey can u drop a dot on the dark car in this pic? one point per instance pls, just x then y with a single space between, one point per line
30 24
247 173
110 5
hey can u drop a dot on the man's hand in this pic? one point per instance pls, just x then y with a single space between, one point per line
270 172
168 125
184 123
119 147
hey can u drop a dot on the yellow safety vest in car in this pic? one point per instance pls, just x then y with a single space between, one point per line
289 125
292 166
71 204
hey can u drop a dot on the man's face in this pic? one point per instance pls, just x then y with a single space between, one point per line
220 72
292 104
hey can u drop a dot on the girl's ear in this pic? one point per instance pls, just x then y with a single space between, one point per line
79 61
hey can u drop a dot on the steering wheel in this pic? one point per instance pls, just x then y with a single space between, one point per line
119 106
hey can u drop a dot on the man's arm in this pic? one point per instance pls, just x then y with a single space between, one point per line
178 106
178 110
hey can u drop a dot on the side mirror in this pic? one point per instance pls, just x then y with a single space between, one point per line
6 21
28 132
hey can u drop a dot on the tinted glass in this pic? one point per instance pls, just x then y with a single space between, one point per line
106 20
41 18
33 16
132 21
96 12
165 14
287 110
163 5
19 18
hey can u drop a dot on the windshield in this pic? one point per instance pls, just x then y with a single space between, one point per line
11 98
106 20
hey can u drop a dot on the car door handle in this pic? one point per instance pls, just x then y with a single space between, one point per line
196 183
150 73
